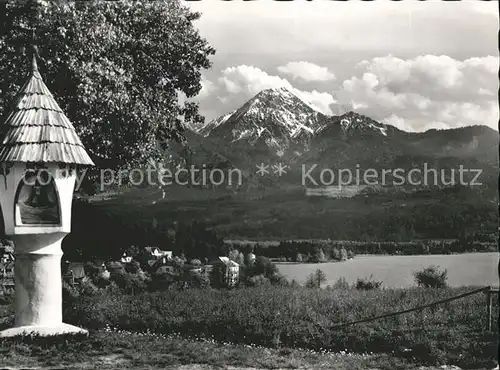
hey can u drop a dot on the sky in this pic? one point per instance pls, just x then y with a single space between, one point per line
413 65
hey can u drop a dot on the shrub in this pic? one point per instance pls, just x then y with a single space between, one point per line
161 282
315 279
216 276
431 277
278 279
335 254
115 266
368 283
197 280
111 289
129 283
7 300
319 256
341 284
258 280
88 288
178 261
343 254
69 292
299 258
262 266
133 267
92 269
294 284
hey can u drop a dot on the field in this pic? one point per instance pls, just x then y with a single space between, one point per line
125 350
289 318
266 327
470 269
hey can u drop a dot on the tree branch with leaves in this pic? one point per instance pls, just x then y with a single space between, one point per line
116 68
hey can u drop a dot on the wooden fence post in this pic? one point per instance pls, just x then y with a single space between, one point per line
489 304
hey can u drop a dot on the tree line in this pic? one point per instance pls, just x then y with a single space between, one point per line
336 250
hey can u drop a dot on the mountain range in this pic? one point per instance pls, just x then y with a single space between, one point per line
278 127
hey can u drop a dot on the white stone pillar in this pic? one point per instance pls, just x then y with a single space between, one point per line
39 286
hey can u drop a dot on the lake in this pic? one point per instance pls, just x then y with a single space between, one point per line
473 269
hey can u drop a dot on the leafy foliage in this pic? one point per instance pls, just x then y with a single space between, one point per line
315 279
117 81
431 277
334 250
262 266
340 284
368 283
260 272
258 281
197 241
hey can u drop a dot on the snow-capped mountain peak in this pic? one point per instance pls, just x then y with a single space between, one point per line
281 119
207 128
352 121
276 116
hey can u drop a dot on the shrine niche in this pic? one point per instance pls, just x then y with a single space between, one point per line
36 200
39 152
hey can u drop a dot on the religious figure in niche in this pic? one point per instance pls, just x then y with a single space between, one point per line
37 201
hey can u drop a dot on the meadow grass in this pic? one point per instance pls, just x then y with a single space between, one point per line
453 333
112 350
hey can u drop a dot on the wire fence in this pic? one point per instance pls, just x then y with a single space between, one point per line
489 291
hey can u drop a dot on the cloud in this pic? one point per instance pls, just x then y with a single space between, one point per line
207 88
250 80
321 100
425 92
306 71
428 91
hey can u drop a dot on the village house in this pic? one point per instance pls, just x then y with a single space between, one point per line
125 258
157 252
164 269
154 258
153 251
165 259
150 256
161 265
230 270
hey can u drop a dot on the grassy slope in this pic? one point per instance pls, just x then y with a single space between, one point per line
452 334
109 350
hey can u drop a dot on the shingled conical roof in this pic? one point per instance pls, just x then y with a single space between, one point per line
37 130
